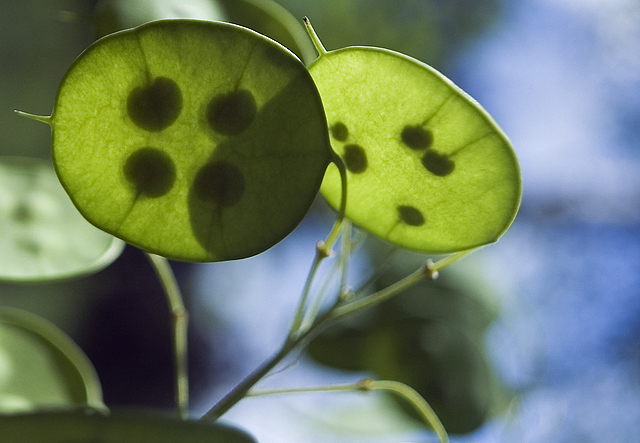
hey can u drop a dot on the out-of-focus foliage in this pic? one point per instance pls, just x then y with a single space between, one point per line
115 15
86 426
41 367
430 337
42 235
429 30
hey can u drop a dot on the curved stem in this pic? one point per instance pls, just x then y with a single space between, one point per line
337 227
414 398
180 319
338 265
394 387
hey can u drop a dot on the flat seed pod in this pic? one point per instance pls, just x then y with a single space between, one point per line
195 140
428 168
41 367
42 235
91 427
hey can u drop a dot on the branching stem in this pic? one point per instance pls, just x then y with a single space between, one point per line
384 294
298 337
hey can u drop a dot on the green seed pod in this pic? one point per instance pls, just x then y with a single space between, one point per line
428 168
195 140
42 235
42 367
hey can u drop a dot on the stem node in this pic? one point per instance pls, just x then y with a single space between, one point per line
323 251
429 270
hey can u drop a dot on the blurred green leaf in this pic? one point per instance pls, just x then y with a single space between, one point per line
90 427
430 337
194 140
41 367
429 169
115 15
264 16
269 18
42 235
446 365
434 31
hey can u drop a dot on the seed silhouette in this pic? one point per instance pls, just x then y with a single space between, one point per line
232 113
416 137
438 164
150 171
340 132
355 158
219 182
156 106
410 215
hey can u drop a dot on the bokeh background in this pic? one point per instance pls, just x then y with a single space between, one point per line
558 296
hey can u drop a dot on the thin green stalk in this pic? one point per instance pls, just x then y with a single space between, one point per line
440 264
314 37
40 118
400 389
377 272
414 398
311 315
321 254
302 336
295 337
337 227
343 260
340 264
384 294
323 250
241 390
180 320
428 270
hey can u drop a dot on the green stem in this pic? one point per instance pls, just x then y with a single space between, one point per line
345 253
388 292
314 37
337 226
180 319
242 389
380 267
440 264
313 312
323 250
40 118
301 336
414 398
321 254
341 265
400 389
